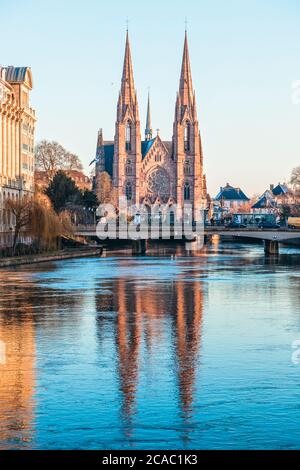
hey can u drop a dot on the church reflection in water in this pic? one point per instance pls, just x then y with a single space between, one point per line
152 326
148 315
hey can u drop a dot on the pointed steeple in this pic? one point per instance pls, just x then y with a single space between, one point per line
99 160
148 130
127 85
99 144
127 141
185 85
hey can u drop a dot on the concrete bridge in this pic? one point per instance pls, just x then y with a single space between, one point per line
271 237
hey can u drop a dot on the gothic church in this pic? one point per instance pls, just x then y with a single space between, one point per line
154 171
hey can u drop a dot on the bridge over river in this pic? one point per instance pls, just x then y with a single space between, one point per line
272 237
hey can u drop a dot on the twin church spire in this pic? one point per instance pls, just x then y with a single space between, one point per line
156 169
128 97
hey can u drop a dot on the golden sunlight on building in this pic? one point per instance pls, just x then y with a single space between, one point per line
17 127
17 380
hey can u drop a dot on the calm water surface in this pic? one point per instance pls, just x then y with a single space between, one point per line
152 352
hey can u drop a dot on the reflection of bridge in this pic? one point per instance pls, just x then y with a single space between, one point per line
271 237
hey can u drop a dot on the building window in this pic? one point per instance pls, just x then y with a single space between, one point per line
187 136
187 168
129 191
128 170
128 136
187 191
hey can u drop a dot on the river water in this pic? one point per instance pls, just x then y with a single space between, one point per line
173 350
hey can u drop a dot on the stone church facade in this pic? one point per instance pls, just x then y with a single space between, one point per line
153 171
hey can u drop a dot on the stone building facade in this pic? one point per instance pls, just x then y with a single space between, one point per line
154 171
17 129
82 181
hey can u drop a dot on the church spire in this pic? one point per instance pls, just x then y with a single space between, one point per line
148 130
127 143
185 85
127 85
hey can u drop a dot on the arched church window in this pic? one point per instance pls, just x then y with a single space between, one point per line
187 168
128 170
128 191
128 136
187 191
187 136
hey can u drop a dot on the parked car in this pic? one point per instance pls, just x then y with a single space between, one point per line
268 225
236 225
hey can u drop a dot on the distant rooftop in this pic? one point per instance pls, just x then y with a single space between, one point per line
280 189
17 75
265 201
229 193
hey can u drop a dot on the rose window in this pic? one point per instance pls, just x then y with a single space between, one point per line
158 183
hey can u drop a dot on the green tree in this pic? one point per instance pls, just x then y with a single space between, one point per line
63 192
89 199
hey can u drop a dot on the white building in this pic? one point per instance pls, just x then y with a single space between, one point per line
17 128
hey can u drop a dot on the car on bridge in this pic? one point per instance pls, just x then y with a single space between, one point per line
235 224
267 224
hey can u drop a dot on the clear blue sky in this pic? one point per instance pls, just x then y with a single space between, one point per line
245 54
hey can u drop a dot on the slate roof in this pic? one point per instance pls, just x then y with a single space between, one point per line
109 157
109 152
228 193
280 189
16 74
264 202
146 146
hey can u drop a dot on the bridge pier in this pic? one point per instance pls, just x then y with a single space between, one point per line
271 247
139 247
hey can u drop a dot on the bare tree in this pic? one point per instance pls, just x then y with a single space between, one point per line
71 162
51 157
295 178
104 189
48 157
21 210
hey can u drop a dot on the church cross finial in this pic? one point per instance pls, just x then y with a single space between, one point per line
186 24
127 24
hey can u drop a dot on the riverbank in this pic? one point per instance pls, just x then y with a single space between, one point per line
55 256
